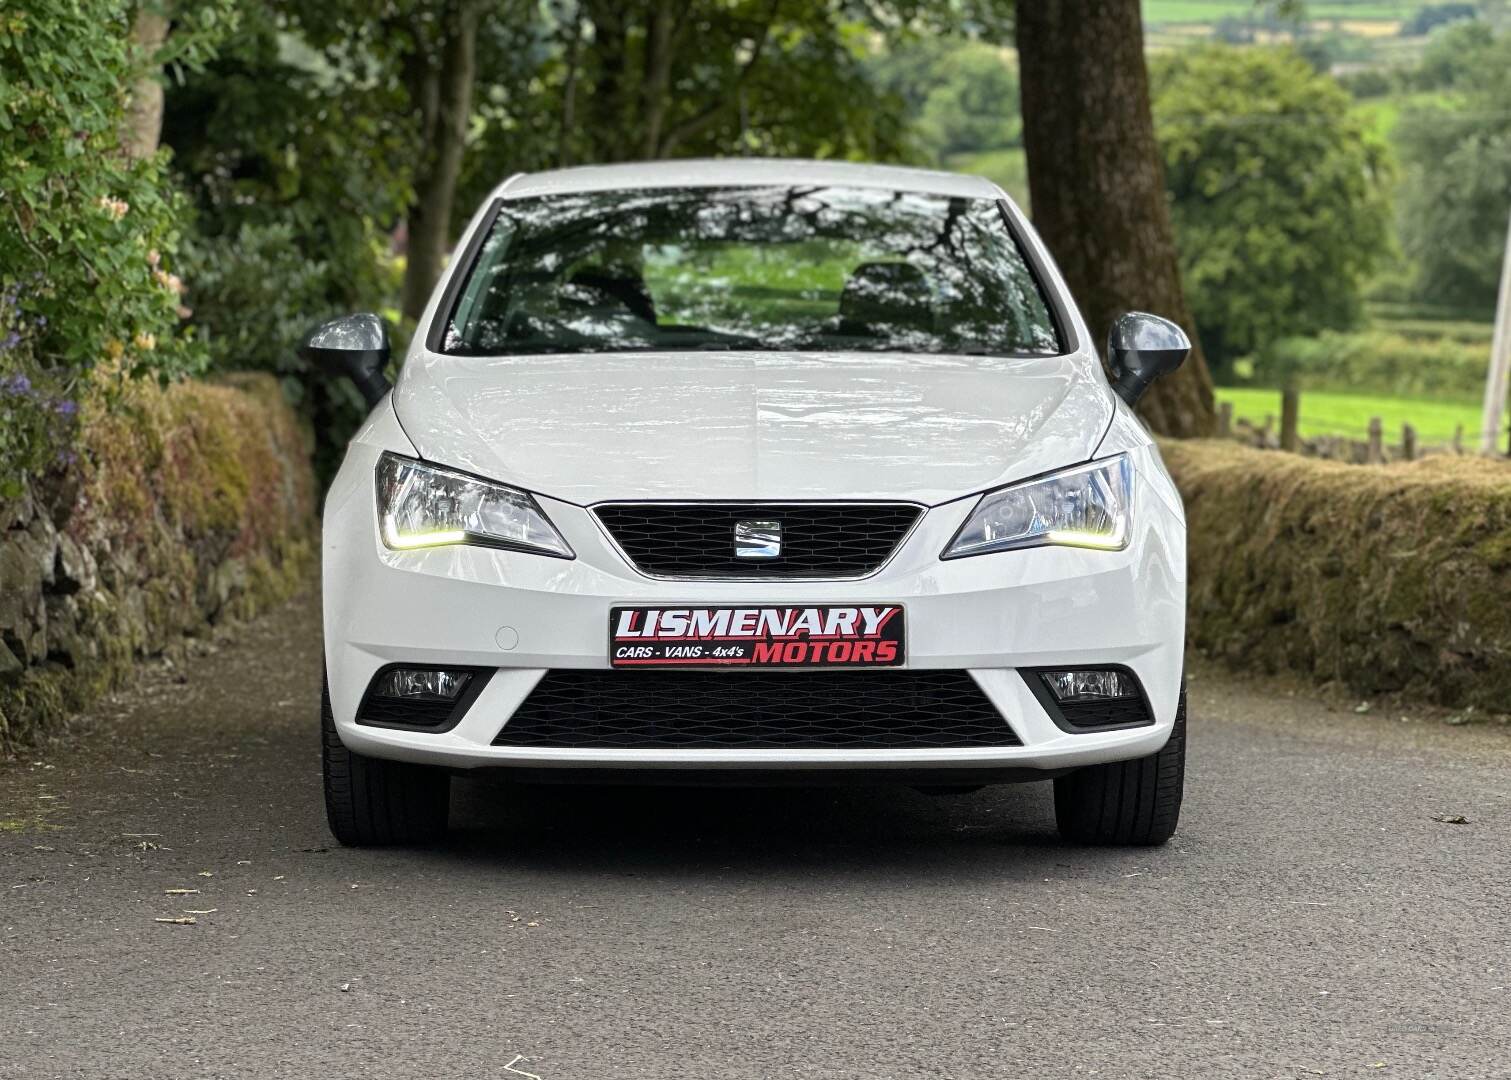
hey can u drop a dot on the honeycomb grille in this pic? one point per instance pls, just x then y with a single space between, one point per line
819 540
760 709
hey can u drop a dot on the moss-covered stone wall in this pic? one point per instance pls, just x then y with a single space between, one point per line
179 508
1383 578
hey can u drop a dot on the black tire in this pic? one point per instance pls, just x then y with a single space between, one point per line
1126 802
372 802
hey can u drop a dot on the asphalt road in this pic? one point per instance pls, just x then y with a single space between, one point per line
1313 917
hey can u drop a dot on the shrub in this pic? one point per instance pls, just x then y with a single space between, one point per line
87 248
94 232
1377 362
1383 578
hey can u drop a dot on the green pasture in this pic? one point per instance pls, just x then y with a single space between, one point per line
1326 413
1207 11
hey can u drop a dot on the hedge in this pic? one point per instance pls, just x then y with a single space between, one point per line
1383 578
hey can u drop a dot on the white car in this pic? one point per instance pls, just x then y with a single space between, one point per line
753 472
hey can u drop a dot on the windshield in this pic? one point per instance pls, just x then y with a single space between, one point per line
811 268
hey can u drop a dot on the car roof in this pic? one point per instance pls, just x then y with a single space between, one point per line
744 172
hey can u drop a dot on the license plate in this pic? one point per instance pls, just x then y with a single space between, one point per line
778 637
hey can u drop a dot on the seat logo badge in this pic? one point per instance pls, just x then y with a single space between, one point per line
758 539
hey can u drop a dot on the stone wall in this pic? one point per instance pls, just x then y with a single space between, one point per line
179 508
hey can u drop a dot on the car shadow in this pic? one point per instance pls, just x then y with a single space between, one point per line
1005 830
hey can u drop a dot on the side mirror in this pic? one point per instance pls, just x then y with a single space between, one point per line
355 346
1140 349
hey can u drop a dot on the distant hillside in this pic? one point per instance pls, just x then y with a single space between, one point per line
1370 17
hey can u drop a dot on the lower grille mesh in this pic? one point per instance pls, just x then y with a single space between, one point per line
776 710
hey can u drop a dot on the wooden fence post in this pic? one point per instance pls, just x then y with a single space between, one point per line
1225 419
1408 442
1458 438
1376 452
1290 419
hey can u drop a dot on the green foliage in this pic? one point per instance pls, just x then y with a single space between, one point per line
295 174
961 96
256 293
1456 195
88 234
1433 16
1378 362
1453 55
88 296
578 84
1276 195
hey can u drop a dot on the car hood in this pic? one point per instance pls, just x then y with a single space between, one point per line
753 425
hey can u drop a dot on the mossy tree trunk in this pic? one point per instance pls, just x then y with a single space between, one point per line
1097 185
144 109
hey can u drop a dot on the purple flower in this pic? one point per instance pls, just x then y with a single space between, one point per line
66 407
18 384
41 321
10 341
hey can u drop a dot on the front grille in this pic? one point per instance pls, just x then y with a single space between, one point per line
765 709
819 540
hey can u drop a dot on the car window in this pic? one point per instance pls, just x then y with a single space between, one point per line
812 268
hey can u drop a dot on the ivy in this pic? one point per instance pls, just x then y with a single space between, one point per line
87 236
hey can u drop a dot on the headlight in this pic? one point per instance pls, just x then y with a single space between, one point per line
1088 506
422 505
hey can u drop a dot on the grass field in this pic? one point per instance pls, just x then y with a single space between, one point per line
1348 414
1208 11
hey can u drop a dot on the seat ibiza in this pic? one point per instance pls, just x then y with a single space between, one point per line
753 472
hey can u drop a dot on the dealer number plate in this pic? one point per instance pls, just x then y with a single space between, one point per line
779 637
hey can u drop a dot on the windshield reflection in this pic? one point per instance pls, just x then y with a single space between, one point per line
792 269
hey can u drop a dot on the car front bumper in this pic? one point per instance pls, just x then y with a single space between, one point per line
525 614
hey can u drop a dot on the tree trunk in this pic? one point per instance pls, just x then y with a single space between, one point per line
144 107
656 77
440 89
607 118
1097 183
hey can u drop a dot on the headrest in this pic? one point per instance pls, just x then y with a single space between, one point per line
624 288
886 295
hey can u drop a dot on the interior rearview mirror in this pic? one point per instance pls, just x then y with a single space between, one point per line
355 346
1140 349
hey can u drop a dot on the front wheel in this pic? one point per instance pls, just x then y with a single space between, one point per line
1126 802
371 802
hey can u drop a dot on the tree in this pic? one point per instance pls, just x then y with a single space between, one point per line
1276 194
961 96
1097 183
1456 188
657 79
439 67
608 80
415 59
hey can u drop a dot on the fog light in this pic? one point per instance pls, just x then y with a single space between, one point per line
1073 686
423 684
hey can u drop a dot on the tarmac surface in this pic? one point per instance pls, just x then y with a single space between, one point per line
1337 903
